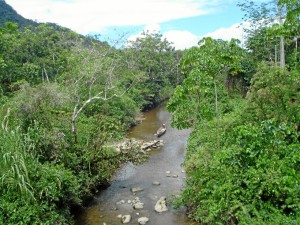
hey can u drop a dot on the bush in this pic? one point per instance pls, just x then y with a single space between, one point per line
253 178
32 192
42 166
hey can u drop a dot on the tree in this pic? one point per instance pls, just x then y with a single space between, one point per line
258 17
291 24
8 38
272 24
94 74
158 60
293 12
260 138
206 66
46 49
35 54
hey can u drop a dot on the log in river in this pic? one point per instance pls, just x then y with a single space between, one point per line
160 176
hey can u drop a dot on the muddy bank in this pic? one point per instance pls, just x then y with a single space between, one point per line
161 175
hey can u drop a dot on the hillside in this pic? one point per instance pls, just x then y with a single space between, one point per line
8 14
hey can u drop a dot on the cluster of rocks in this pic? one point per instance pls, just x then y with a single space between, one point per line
160 207
136 204
152 144
127 218
130 143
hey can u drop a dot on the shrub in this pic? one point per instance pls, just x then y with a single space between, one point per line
253 178
32 192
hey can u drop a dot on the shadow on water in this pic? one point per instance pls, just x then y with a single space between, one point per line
167 158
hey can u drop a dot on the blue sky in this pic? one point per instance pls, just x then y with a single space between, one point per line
182 22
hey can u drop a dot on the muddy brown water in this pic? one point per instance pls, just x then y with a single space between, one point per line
105 211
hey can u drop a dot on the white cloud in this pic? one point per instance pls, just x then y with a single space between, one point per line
186 39
150 28
226 33
95 16
234 31
181 39
86 16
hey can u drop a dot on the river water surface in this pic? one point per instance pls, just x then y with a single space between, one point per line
163 165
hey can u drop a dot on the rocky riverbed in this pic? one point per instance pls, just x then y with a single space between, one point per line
142 194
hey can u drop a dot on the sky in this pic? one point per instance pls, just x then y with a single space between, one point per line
181 22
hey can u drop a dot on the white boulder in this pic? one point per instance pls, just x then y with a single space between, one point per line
161 205
126 219
143 220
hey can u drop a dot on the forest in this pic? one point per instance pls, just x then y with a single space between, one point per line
65 97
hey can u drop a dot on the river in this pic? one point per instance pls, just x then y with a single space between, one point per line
163 166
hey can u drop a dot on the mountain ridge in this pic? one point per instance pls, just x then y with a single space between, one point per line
9 14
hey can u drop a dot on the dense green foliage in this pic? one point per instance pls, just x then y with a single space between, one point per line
159 61
64 99
252 175
253 178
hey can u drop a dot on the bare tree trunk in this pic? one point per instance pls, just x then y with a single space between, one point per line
282 53
74 117
217 115
46 75
77 110
91 71
275 55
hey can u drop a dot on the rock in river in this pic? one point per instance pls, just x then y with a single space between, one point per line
136 189
138 205
161 205
126 218
143 220
156 183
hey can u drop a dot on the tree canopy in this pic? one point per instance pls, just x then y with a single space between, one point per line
64 99
248 173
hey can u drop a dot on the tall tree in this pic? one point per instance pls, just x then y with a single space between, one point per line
206 66
95 73
260 18
291 24
158 59
272 27
35 54
293 11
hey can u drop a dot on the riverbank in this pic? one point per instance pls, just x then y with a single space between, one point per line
161 175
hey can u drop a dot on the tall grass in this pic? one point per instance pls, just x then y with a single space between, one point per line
16 157
32 192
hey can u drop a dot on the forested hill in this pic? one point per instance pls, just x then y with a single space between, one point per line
7 13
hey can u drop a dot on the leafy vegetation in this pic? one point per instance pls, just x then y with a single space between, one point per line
250 175
65 98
